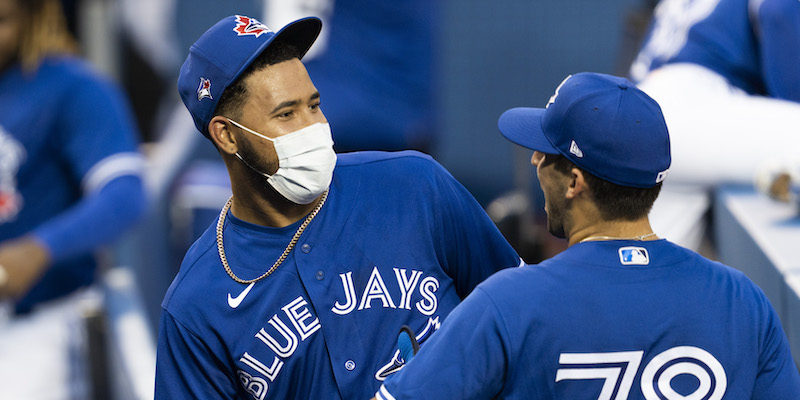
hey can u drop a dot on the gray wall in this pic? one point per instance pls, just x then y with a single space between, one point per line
509 53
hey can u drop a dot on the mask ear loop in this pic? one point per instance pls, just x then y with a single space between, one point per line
268 176
250 130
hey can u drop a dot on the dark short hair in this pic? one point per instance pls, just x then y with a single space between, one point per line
234 96
615 202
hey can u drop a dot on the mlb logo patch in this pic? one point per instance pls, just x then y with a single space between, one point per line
633 256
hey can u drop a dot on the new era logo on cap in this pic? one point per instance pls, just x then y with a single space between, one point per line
574 149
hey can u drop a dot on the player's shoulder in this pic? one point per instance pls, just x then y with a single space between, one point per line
76 81
408 167
371 159
186 281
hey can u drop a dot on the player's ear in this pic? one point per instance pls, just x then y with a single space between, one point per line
219 129
576 183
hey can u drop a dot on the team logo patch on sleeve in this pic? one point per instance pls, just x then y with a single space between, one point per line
204 90
249 26
634 256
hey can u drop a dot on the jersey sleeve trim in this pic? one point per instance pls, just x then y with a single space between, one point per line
383 394
111 167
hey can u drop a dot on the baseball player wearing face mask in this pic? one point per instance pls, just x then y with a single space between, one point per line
301 286
620 314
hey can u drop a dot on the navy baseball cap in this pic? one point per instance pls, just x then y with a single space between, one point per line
603 124
224 51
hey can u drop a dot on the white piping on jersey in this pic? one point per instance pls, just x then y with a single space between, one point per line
112 167
384 394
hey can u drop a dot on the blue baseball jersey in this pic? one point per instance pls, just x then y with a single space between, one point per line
398 242
65 133
755 44
603 320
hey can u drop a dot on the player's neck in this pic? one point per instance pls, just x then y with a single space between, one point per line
613 230
268 209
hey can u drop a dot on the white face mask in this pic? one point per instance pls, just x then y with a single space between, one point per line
305 162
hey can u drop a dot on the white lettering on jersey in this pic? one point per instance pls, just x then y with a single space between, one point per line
691 360
257 387
407 286
291 339
298 314
349 296
270 372
376 289
304 324
428 287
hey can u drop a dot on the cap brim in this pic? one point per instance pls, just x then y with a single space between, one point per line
523 126
301 34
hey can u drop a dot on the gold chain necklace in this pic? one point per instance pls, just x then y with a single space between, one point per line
292 243
642 237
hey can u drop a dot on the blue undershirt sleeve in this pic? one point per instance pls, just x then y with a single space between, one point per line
98 219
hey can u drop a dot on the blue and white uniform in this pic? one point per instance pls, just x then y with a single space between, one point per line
71 176
70 169
398 242
753 44
725 75
607 319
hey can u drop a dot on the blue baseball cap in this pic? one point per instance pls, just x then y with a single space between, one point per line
224 51
603 124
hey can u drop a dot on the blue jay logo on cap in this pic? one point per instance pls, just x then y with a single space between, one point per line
204 90
249 26
633 256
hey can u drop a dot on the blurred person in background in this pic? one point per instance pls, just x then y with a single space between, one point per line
724 72
70 182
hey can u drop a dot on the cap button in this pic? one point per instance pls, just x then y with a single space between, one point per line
623 86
